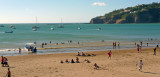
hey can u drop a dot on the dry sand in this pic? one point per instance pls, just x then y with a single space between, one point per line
122 64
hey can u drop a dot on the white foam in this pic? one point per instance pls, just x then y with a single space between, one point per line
11 50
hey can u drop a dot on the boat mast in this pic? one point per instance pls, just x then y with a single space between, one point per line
36 20
61 21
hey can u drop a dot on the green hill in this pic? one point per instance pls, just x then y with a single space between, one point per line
145 13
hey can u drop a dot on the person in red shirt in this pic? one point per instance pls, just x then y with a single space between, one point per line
2 59
109 54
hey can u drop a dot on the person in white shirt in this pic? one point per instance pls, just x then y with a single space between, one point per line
140 65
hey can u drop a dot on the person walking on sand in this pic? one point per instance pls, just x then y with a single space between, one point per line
109 54
8 73
140 65
154 51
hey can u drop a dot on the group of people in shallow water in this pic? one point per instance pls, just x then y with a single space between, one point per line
31 48
115 44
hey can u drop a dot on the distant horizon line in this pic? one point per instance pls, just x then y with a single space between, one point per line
49 23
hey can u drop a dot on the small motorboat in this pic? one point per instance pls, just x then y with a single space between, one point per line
60 26
8 31
34 29
99 29
79 28
1 25
13 27
52 28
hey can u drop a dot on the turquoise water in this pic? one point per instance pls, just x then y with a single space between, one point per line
88 33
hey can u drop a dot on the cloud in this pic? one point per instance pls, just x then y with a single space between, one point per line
99 4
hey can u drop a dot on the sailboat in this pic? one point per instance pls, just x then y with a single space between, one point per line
60 26
35 27
99 29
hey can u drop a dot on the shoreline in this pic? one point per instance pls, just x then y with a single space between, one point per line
74 47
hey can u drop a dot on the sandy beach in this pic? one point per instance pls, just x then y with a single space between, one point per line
80 38
122 64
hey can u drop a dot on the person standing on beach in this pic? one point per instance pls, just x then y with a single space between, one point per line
2 61
140 49
8 73
154 51
140 65
109 54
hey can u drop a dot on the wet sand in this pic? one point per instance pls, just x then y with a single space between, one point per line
122 64
92 44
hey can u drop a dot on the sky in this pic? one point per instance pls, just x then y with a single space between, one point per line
52 11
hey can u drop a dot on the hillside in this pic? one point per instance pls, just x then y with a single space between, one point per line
145 13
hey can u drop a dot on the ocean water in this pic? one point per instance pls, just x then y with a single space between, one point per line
88 33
